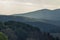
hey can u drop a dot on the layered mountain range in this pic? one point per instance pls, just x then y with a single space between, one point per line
44 15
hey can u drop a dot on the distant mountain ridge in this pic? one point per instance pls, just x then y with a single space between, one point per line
53 16
43 14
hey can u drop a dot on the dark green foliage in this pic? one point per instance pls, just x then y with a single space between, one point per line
21 31
3 36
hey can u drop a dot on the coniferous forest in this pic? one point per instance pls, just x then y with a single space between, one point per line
21 31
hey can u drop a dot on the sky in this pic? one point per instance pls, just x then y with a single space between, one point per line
8 7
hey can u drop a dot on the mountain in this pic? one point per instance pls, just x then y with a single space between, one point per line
43 14
45 27
53 16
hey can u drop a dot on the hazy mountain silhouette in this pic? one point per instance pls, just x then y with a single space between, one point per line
53 16
43 14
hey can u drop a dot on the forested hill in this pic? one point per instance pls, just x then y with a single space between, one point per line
21 31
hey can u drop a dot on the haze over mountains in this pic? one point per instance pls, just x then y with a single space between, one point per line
46 20
44 15
45 27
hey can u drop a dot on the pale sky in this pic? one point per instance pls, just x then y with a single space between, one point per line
8 7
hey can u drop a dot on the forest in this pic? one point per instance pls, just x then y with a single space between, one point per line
13 30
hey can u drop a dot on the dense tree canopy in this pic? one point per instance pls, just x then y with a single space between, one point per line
21 31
